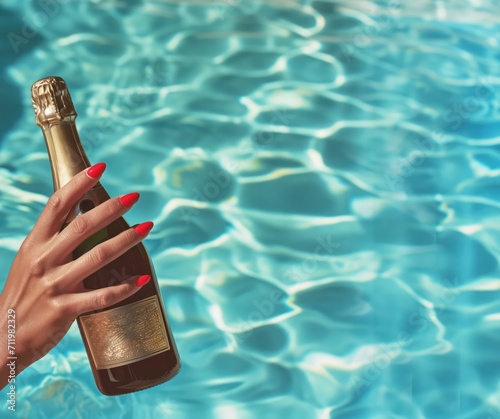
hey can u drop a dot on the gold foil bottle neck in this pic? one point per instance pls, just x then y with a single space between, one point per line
52 102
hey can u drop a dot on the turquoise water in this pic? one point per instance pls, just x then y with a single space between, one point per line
324 180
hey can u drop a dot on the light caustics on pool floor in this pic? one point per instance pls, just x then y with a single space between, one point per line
324 182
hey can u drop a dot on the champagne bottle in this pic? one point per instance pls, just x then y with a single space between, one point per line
129 345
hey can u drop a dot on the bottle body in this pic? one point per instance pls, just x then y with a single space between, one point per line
130 345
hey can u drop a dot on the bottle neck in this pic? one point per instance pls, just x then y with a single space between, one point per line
66 154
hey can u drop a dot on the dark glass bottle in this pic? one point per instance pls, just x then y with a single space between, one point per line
129 345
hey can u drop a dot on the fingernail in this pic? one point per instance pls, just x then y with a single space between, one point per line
96 170
142 280
144 228
129 199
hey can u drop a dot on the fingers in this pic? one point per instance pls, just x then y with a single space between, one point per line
105 297
60 203
104 253
84 226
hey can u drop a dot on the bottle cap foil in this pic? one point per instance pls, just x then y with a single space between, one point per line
52 102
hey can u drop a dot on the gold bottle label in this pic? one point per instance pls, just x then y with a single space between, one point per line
126 334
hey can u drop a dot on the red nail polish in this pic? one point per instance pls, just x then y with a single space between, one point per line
142 280
129 199
144 228
96 170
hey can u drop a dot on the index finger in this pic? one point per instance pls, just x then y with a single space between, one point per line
60 203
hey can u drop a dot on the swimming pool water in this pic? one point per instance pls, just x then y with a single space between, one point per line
324 180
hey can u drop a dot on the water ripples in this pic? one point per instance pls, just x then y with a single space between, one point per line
323 177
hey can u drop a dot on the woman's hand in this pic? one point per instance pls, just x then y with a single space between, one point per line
45 286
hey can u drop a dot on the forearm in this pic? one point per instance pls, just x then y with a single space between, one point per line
8 362
4 373
7 345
